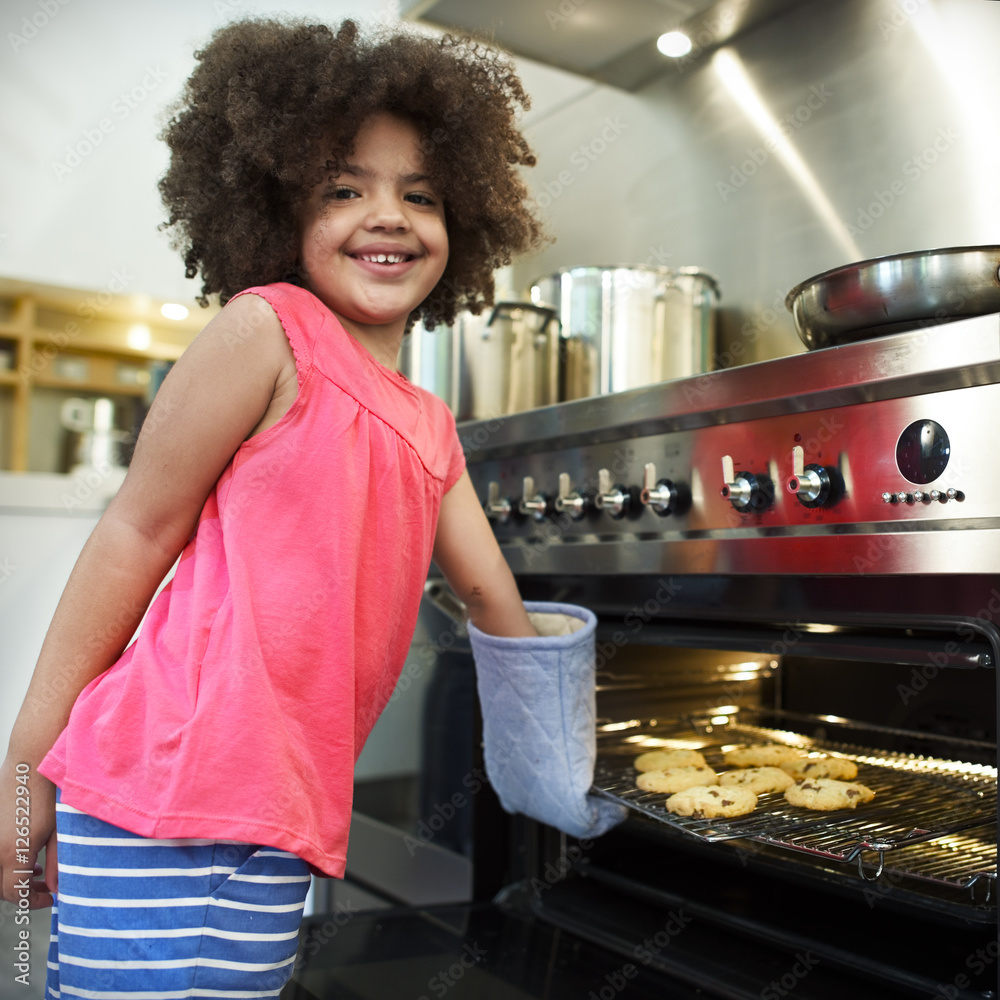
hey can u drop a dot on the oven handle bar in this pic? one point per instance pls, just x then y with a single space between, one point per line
796 639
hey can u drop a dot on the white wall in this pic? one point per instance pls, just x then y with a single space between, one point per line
73 217
896 73
44 522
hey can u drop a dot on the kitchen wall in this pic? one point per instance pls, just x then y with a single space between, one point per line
839 131
884 111
44 523
85 89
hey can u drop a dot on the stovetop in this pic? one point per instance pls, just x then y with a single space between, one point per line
868 458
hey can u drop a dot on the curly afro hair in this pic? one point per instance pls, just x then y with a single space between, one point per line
274 105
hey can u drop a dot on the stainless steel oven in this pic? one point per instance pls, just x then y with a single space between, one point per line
803 551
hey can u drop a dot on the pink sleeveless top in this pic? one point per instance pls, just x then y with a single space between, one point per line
240 709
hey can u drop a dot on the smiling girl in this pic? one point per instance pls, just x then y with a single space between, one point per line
330 189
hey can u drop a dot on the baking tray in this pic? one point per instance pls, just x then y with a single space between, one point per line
918 800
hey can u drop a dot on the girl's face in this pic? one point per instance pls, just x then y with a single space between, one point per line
373 237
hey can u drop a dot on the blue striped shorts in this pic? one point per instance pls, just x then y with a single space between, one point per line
136 917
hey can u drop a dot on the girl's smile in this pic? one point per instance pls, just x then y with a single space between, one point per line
374 242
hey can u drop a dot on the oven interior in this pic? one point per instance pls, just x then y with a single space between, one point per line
895 898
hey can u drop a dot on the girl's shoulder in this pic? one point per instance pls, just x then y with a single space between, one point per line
285 312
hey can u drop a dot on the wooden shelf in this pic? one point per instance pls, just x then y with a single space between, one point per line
155 352
48 328
90 386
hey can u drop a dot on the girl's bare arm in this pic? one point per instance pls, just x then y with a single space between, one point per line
223 387
467 553
210 402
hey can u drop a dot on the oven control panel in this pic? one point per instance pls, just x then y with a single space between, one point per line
834 489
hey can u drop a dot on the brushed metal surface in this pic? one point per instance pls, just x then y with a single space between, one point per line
849 427
626 327
895 293
899 137
613 42
964 353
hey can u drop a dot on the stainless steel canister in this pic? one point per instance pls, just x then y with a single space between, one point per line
434 360
514 359
630 325
490 365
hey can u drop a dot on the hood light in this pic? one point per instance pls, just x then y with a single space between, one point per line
674 44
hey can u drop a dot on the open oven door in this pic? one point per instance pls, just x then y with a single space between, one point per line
654 909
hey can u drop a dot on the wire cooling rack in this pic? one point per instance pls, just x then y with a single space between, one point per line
934 819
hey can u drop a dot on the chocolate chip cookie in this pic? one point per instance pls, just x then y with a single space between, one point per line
826 794
771 755
676 779
659 760
758 780
838 768
713 802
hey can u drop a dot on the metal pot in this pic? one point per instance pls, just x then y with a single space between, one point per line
628 326
487 366
434 360
892 294
96 442
515 359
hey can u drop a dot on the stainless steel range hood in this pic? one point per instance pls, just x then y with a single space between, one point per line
612 41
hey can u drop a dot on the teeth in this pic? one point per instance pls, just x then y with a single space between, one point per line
383 258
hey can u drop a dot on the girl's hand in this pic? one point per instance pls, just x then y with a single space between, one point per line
27 806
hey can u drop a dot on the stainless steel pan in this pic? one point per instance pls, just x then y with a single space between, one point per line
892 294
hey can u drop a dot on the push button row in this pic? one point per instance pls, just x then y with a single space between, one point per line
924 496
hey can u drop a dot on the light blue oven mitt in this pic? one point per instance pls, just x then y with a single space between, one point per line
538 703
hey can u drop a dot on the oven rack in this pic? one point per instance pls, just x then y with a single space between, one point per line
966 860
934 818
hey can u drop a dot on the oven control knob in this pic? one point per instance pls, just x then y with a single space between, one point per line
952 494
920 497
614 498
497 508
744 490
533 503
573 503
904 498
659 495
888 498
809 483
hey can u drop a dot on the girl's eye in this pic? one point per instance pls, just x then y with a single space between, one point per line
338 193
420 199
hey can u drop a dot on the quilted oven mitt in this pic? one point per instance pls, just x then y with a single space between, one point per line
538 703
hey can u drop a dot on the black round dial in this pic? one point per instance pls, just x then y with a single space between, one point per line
922 451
